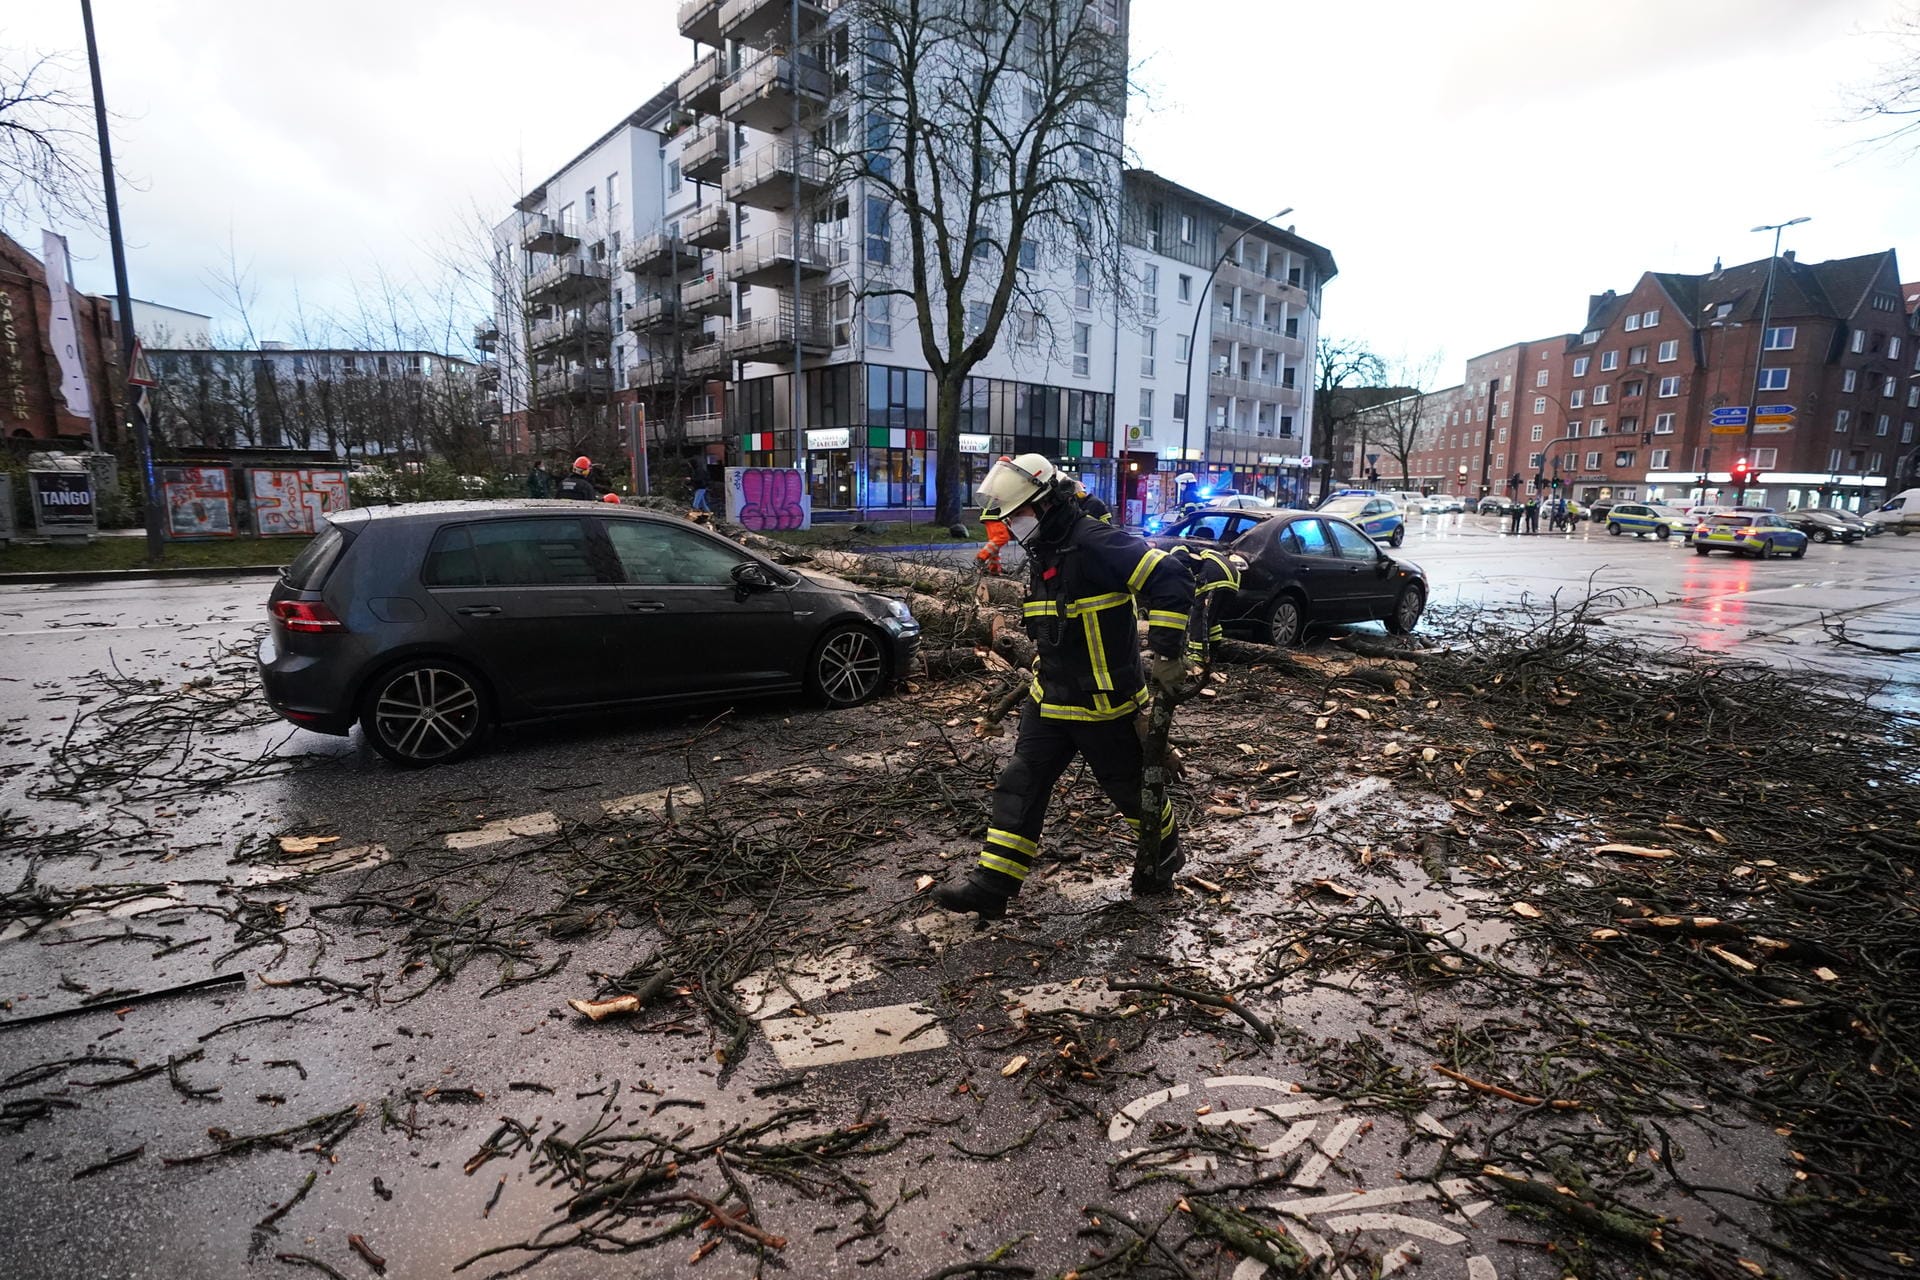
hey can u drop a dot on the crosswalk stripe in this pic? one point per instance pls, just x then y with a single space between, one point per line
827 1039
504 829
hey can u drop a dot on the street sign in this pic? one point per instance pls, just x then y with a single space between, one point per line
139 372
1306 460
1773 410
1728 429
1773 427
1730 415
1372 458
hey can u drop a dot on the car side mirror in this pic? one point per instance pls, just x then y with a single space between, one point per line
750 576
1382 563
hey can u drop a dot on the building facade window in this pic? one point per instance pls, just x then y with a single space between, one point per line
1576 398
1083 283
879 231
1659 459
1850 380
1593 462
1781 338
1082 349
1859 342
1842 420
1773 379
1186 287
1668 350
1146 411
1539 404
1602 394
1609 361
1186 228
1638 355
1539 433
1580 366
1650 318
1182 348
842 315
1623 458
1540 378
1150 290
1148 341
1631 323
1663 424
1669 388
879 322
1179 406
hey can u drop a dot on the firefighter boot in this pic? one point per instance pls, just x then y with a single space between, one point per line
973 895
1171 860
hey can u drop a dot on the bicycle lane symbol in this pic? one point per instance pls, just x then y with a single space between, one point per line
1329 1125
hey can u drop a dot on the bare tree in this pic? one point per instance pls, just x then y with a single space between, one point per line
46 141
1394 426
1345 366
1892 100
990 135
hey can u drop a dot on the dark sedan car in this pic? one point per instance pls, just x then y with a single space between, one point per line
430 623
1305 569
1823 524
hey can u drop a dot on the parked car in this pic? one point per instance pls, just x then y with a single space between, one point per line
429 624
1242 502
1597 511
1307 569
1854 518
1378 517
1823 525
1639 518
1757 534
1901 514
1496 505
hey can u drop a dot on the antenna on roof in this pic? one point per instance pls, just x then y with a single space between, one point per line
1716 267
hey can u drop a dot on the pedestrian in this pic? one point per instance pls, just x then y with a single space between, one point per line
1558 521
539 483
1514 513
1092 505
578 483
1082 581
699 477
1533 514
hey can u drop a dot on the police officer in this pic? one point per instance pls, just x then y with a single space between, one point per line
578 482
1082 581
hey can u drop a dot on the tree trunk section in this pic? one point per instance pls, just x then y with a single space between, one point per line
946 507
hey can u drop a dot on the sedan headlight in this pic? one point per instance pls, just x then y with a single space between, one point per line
898 608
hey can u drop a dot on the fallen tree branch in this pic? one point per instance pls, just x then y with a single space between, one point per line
1206 998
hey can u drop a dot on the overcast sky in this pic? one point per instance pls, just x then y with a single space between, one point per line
1478 168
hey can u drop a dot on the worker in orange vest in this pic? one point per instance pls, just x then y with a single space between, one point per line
989 555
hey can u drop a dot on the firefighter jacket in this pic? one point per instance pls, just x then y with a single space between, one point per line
1216 578
1083 578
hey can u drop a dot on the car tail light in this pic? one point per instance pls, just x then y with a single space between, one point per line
305 615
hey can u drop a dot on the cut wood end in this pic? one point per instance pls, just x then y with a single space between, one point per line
600 1010
1635 851
1014 1066
1526 909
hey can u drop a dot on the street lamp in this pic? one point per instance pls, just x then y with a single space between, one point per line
1193 334
1760 348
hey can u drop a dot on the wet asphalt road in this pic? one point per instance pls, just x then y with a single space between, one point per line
478 829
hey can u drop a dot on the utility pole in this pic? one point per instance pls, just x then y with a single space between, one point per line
149 486
1486 451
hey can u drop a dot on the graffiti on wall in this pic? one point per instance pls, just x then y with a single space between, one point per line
768 498
294 501
198 501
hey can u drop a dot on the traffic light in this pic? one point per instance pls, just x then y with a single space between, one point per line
1741 472
1556 484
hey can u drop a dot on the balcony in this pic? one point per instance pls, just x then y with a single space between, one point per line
706 361
771 338
704 157
707 295
1248 276
653 314
569 279
579 330
771 257
700 20
699 88
576 384
486 375
709 227
705 427
660 254
486 336
762 94
542 233
766 178
1225 385
769 21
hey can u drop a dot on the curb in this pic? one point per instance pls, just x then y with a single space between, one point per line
128 575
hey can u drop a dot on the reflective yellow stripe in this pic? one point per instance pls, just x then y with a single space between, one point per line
1166 821
1094 604
1005 866
1019 844
1039 608
1141 571
1092 715
1097 652
1167 618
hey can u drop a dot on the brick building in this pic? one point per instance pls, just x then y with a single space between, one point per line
31 407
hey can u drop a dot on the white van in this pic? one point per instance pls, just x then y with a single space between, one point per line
1902 514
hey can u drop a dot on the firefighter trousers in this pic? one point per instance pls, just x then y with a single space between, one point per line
1041 754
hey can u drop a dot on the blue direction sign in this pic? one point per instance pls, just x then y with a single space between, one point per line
1772 410
1730 415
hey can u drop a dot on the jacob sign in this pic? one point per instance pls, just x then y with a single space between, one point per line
62 501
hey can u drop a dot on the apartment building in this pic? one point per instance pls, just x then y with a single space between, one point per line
1464 437
709 266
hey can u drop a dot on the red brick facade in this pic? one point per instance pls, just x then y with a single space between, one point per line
30 403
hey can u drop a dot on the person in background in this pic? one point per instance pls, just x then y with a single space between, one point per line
602 482
1514 515
577 483
1533 514
539 483
699 479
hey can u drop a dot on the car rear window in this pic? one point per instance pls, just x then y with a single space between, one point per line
309 569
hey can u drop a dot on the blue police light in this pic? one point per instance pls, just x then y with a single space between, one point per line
1206 493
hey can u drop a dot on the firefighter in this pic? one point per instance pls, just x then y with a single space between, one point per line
988 557
1092 505
1082 581
577 483
1216 576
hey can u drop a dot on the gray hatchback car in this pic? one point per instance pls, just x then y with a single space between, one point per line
430 623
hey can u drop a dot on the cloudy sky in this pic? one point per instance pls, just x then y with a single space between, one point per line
1478 167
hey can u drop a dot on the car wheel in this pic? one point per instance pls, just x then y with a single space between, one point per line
1285 622
1823 535
1614 529
1765 550
1699 550
1399 536
426 712
1899 531
848 667
1799 552
1406 609
1662 532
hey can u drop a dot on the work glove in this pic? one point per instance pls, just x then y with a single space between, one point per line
1169 674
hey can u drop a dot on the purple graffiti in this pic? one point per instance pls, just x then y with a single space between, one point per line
771 499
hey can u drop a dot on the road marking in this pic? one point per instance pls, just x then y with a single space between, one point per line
769 992
828 1039
683 795
173 897
529 824
360 857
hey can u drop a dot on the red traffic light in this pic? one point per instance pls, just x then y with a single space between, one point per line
1741 470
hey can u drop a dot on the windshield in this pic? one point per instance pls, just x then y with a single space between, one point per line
1665 511
1345 506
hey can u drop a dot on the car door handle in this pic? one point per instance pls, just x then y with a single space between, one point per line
478 610
646 606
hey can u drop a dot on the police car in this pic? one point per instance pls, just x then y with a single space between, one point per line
1380 518
1749 533
1639 518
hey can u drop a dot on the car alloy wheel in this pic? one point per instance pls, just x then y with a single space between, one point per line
1823 535
1614 529
1799 552
1765 550
1283 627
1399 536
425 713
1662 532
849 666
1406 609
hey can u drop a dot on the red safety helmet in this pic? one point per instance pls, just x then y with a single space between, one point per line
610 497
583 463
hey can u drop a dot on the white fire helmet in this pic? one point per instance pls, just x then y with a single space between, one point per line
1011 483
